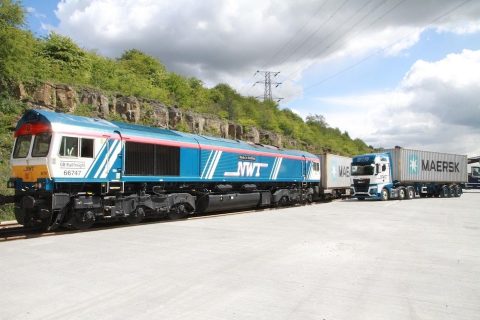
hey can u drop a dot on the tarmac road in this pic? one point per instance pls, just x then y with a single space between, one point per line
412 259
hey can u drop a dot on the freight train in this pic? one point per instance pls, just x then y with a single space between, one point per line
400 173
74 171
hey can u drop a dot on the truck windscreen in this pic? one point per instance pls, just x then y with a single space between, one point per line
476 171
362 170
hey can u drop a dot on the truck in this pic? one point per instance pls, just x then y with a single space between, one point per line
335 176
400 173
473 173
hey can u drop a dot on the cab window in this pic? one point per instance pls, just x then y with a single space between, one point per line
476 171
69 147
41 145
22 146
86 150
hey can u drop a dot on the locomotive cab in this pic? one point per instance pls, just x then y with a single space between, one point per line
44 154
29 156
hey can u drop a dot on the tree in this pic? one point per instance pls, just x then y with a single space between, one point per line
147 66
16 45
68 62
12 14
317 119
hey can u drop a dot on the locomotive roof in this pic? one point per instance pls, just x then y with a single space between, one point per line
59 121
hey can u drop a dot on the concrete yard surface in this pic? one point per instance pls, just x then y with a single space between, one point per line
412 259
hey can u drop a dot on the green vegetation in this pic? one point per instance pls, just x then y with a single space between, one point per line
56 58
10 112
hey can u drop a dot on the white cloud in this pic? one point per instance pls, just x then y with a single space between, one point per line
435 107
227 40
218 39
35 13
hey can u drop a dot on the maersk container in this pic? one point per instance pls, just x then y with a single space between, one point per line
335 174
404 174
425 166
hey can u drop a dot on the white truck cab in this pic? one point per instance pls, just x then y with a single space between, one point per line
371 173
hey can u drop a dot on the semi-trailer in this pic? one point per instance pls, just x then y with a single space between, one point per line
400 173
335 176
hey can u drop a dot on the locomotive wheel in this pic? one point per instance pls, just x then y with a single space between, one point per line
135 216
81 220
179 211
284 201
309 198
38 225
34 219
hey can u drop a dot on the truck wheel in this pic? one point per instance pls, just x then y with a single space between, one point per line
384 196
410 193
445 192
458 191
401 194
452 190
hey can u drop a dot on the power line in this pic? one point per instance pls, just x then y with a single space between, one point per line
343 36
287 43
267 95
443 15
315 32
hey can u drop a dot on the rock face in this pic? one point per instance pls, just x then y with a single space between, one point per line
65 98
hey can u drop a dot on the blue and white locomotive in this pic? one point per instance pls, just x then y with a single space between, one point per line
72 171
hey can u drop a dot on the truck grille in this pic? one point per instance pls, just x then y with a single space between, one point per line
361 185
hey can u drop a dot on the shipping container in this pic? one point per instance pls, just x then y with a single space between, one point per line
335 175
425 166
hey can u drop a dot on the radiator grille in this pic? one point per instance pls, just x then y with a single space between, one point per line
361 185
145 159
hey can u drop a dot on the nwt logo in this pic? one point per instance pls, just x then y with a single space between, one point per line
247 169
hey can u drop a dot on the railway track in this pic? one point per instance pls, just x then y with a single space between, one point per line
13 231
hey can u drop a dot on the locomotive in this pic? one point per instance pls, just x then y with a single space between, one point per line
73 171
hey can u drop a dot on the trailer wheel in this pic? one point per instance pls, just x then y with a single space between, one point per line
384 196
459 190
445 192
401 194
410 193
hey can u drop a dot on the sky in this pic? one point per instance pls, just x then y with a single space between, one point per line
390 72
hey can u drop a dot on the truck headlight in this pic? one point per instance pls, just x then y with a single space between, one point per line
373 191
